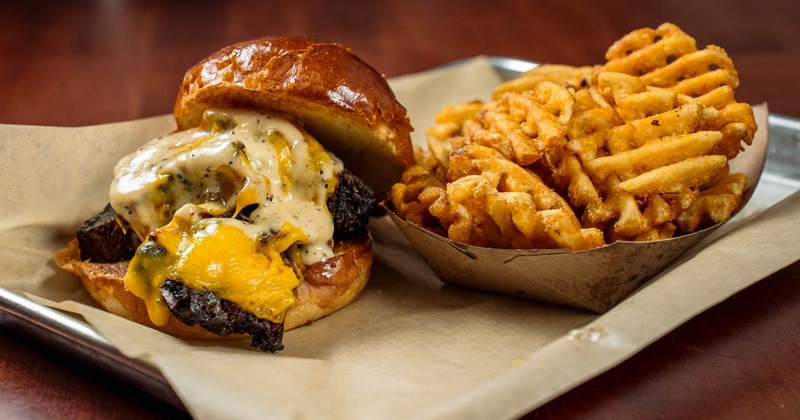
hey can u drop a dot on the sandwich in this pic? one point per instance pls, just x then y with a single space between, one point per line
251 218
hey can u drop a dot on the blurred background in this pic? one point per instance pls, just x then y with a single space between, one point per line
119 60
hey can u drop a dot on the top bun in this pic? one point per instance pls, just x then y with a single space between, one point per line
343 102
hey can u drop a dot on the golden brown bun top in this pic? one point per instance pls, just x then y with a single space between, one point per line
343 102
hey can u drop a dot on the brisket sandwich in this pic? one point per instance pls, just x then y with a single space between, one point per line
244 221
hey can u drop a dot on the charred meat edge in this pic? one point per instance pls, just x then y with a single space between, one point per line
101 239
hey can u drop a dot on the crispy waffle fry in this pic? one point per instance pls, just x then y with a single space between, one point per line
715 204
557 73
574 157
446 136
692 172
667 58
524 125
491 194
654 154
645 50
404 196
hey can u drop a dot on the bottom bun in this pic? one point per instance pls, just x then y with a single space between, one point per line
327 286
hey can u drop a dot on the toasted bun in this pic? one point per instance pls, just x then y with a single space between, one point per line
342 101
327 287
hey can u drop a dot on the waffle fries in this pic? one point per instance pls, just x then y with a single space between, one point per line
576 157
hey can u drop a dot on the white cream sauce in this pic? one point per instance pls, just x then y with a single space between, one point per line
234 160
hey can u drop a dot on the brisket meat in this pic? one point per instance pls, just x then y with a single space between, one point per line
101 239
351 204
220 316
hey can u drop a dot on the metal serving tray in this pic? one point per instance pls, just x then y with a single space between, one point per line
79 340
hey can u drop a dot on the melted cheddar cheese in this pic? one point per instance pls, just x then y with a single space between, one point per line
234 207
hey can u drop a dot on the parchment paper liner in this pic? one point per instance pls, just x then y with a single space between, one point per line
410 346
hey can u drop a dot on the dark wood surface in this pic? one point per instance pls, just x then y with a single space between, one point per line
105 61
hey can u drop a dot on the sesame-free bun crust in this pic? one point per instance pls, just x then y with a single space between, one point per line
326 287
343 102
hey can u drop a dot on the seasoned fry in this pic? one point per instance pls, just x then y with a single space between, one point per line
404 196
556 73
715 204
575 157
523 125
655 154
691 172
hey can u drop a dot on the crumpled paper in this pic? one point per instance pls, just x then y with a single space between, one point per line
410 346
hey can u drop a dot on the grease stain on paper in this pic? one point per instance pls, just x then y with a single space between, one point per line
587 335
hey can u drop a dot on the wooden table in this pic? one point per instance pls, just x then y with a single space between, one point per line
99 62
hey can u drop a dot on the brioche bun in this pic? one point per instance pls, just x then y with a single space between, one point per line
327 287
340 100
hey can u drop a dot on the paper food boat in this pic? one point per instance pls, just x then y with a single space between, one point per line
595 279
